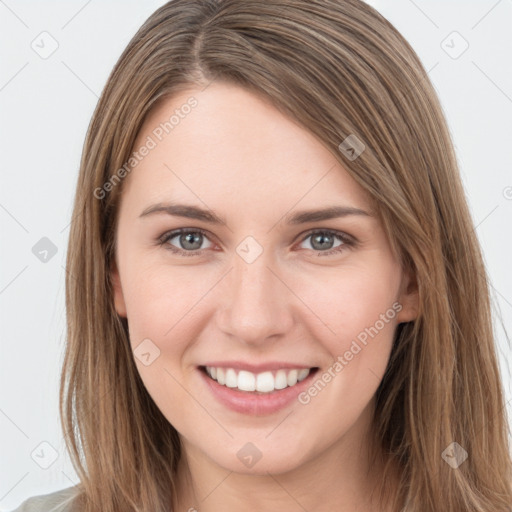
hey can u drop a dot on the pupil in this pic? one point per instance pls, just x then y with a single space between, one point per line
190 238
321 237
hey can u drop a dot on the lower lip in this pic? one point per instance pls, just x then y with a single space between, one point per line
252 403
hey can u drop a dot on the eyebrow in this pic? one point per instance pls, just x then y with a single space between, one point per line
300 217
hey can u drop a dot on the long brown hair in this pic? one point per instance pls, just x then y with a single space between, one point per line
338 68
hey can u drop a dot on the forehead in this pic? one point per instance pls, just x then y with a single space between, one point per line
226 143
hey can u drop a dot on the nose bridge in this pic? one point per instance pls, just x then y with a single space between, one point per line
255 304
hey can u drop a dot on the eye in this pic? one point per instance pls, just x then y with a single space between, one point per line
190 241
322 241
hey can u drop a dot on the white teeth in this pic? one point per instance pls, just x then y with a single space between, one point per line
281 381
231 379
246 381
302 374
264 382
292 377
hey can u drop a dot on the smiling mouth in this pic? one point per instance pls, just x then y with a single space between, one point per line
257 383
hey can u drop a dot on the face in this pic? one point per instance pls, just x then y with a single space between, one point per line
293 315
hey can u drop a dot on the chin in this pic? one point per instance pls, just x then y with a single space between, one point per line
259 458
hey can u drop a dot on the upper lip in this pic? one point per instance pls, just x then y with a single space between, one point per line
257 368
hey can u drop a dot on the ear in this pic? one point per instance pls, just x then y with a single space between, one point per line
409 298
119 303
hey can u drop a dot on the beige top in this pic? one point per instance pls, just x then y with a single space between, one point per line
58 501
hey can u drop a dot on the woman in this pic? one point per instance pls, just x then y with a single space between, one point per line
258 368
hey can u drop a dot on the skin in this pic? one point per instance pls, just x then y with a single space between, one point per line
238 156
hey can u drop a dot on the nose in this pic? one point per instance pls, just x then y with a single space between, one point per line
255 304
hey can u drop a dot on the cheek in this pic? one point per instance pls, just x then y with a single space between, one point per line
360 307
160 301
163 318
351 302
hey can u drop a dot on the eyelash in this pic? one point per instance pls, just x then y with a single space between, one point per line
348 241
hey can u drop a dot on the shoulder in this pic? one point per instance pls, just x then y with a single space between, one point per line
58 501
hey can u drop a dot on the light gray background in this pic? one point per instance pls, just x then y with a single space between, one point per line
46 105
